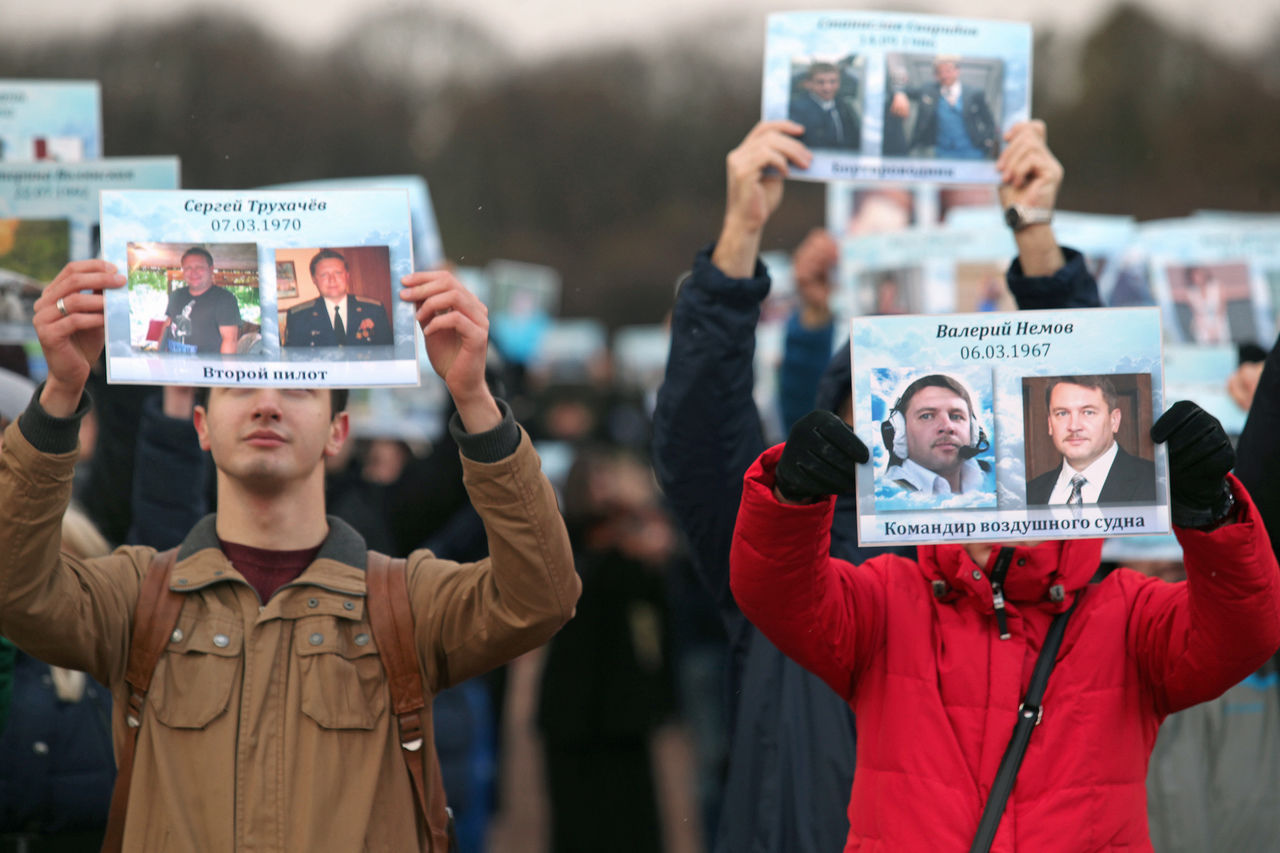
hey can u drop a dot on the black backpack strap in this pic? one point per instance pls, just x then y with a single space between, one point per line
1030 713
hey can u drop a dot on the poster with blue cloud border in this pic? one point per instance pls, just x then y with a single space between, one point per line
932 270
1217 279
258 228
58 202
57 120
887 119
994 355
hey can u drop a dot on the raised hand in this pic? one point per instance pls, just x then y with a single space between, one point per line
754 171
455 325
819 459
71 327
1200 455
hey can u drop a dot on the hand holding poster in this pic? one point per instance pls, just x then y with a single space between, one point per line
893 97
1026 425
288 289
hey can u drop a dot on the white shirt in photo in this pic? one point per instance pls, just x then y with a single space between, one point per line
924 480
1094 477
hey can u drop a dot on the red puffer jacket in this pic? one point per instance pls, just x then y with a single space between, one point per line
936 690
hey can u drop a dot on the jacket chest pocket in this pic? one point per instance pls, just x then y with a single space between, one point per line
194 678
343 683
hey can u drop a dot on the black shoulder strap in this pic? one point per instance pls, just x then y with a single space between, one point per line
1030 712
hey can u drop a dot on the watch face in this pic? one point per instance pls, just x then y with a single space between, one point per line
1011 217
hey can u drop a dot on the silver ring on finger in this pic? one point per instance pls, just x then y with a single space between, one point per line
62 306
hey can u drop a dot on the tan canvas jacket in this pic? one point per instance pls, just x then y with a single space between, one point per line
267 727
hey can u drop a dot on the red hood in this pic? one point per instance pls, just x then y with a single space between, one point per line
1070 562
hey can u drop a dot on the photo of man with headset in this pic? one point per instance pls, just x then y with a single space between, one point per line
932 435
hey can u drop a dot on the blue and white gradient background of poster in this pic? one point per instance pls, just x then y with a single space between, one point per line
797 36
66 115
1100 341
348 218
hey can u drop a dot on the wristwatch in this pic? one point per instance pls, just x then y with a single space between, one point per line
1019 216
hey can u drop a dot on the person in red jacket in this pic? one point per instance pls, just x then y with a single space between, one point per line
935 670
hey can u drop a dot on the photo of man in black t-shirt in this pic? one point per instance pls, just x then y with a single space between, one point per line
200 317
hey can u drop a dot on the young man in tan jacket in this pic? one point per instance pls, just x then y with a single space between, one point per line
267 726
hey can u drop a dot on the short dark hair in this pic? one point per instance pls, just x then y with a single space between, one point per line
324 255
197 250
820 68
337 399
1102 383
933 380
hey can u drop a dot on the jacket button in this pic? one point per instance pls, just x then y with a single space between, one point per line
176 636
362 639
221 640
316 639
348 605
1022 561
311 602
977 575
40 748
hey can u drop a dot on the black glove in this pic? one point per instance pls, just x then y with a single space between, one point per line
1200 455
819 458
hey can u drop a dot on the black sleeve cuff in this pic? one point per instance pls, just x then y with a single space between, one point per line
47 433
492 445
1070 286
708 277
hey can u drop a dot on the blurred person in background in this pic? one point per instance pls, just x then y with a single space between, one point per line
810 328
607 684
56 760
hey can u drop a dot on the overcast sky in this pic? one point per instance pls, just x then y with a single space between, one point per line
536 28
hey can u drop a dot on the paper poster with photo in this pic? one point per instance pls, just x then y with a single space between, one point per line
523 299
1009 426
886 96
1200 372
572 350
1217 280
928 271
857 208
640 356
58 120
49 215
260 288
1103 240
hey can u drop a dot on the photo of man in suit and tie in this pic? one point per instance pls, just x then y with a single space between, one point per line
823 103
337 317
1084 416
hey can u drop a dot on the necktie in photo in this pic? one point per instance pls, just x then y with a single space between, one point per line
1077 483
834 116
339 330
